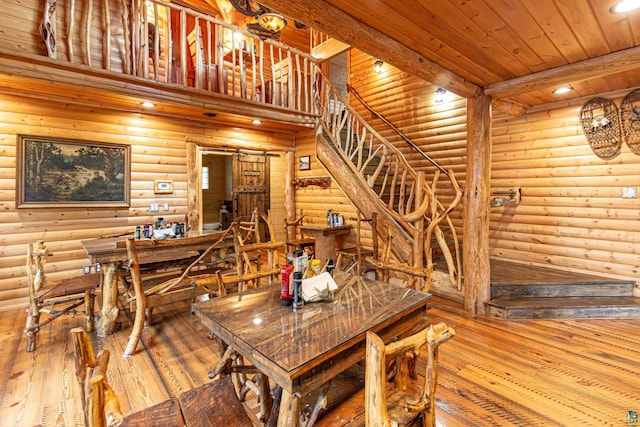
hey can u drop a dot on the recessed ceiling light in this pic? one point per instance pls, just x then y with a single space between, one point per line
625 6
256 122
563 89
148 104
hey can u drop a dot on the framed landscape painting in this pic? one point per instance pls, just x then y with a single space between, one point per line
58 172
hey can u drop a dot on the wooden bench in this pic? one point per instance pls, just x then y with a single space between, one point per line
55 298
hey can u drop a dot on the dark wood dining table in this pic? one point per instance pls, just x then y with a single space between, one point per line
303 350
109 252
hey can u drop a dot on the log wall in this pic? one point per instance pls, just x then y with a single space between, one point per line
572 215
157 152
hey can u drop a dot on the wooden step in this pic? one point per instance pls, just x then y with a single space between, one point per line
599 287
565 308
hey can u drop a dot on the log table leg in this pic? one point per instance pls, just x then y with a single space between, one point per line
106 324
289 410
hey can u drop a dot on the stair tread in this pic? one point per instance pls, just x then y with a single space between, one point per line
557 302
504 273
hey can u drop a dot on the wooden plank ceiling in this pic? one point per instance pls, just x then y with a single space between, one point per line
517 50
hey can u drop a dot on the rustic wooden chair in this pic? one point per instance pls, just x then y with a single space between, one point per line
55 298
384 407
249 258
386 267
353 257
152 290
100 404
296 239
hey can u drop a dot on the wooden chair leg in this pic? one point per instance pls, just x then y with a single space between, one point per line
138 325
89 302
31 329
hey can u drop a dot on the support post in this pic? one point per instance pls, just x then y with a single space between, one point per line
475 242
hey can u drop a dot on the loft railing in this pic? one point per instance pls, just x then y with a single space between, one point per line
404 193
169 43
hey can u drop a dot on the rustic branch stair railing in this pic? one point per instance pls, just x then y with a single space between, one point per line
395 129
169 43
404 195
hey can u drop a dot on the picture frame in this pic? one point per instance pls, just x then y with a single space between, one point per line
61 172
305 163
163 186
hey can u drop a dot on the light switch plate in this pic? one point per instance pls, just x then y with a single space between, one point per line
629 192
153 207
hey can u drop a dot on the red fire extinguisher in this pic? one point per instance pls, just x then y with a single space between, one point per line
286 292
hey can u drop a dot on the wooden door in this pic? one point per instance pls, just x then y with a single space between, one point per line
250 186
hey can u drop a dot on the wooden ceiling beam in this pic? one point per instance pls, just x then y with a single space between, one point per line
322 15
617 62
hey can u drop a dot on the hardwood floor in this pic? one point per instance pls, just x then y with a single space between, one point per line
493 373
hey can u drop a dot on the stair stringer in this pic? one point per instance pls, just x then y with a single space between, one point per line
361 195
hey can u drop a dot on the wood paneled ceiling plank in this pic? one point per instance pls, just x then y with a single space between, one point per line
634 23
619 34
547 15
322 15
581 18
409 27
424 28
472 40
521 22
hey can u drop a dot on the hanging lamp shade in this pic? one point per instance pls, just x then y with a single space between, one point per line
272 21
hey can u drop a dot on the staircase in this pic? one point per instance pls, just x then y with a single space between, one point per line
376 177
526 292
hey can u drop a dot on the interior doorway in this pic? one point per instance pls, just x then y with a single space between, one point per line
234 183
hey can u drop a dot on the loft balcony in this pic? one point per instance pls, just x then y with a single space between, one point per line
119 54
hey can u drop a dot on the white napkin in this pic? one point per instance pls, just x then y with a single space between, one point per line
312 286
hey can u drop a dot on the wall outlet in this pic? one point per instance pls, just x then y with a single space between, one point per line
165 206
629 192
153 207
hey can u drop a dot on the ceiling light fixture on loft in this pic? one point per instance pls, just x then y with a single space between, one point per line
440 92
268 22
273 22
148 104
377 66
625 6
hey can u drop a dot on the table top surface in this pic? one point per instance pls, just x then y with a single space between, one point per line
284 341
326 230
107 249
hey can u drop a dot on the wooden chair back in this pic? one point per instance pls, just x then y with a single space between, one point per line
152 291
414 276
55 298
295 239
249 257
382 409
100 405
